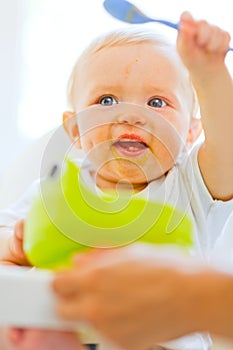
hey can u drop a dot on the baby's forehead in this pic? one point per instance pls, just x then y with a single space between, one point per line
143 52
128 49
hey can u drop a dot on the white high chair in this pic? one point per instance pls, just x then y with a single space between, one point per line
27 167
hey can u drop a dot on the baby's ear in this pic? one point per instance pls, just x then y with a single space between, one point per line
194 132
71 127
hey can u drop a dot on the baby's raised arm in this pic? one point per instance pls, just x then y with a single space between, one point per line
203 48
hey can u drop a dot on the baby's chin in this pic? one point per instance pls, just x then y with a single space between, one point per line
116 182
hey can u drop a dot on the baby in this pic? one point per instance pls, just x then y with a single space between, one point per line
146 143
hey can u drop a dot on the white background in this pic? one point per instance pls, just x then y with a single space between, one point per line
39 43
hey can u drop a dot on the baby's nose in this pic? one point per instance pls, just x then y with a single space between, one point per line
131 118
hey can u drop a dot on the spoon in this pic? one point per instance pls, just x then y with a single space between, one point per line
127 12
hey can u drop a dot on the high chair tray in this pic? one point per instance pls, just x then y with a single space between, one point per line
27 300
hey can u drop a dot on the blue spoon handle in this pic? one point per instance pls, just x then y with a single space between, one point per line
166 23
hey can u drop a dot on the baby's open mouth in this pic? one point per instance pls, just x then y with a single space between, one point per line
132 146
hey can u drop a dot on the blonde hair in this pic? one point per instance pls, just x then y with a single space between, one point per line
126 37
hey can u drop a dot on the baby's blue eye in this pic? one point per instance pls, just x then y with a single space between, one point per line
107 101
157 103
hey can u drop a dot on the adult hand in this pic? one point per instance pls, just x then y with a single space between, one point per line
132 295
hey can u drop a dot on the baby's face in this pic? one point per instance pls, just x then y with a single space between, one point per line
133 146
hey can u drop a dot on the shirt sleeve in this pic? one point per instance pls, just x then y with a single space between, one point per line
208 200
196 341
19 209
212 212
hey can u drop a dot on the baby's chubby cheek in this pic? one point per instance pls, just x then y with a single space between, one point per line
96 143
94 137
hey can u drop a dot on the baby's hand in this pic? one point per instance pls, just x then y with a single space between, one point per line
14 253
201 45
